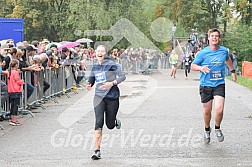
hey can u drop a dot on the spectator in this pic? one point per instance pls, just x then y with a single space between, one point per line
65 53
35 43
15 91
58 57
20 45
45 41
3 53
25 44
19 57
11 55
27 66
41 48
44 60
54 48
234 60
10 43
50 58
80 73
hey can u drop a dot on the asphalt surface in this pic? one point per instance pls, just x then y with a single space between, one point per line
162 125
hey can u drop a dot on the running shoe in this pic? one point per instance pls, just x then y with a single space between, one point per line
118 124
207 136
96 155
15 123
219 135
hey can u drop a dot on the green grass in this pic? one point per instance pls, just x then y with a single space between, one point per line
247 82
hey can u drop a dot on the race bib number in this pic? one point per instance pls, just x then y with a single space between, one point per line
216 75
100 77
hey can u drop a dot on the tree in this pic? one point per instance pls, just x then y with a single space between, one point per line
243 9
239 39
200 14
101 15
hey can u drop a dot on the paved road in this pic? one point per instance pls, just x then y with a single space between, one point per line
162 125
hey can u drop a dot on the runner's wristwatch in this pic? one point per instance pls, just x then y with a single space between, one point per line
233 71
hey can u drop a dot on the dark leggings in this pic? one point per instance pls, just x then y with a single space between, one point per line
187 69
14 106
79 78
109 107
46 86
30 90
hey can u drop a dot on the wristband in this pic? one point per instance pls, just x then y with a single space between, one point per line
233 71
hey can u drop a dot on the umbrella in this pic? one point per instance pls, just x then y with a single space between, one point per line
84 40
63 42
69 45
55 43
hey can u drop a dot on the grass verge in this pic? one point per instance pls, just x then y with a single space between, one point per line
247 82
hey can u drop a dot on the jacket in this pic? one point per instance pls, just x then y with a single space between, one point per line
15 84
107 71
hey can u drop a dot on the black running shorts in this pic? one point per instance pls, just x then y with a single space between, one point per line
207 93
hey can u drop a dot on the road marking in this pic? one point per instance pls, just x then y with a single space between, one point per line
176 87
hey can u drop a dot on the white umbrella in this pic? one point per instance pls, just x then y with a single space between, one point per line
84 40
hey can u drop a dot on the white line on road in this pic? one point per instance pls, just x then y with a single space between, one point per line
176 87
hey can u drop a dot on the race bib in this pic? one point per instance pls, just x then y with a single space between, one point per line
216 75
100 77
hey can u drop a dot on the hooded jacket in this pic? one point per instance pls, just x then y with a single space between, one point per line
107 71
15 84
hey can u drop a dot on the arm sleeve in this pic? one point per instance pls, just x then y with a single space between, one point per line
91 78
20 82
18 79
120 74
227 55
198 59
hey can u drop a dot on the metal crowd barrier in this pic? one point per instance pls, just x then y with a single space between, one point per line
61 80
132 66
55 77
4 107
144 66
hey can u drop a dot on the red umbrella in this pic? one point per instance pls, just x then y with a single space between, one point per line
69 45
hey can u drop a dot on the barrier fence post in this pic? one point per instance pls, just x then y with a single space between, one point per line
1 127
67 72
23 102
73 78
47 93
39 89
52 80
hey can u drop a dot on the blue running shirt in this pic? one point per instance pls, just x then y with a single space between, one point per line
215 60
